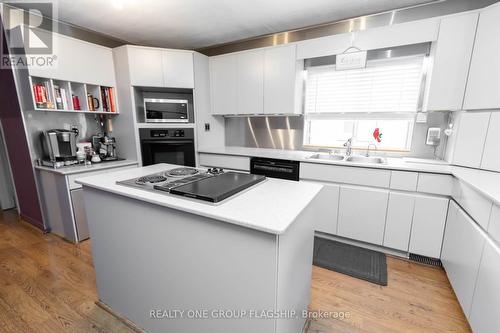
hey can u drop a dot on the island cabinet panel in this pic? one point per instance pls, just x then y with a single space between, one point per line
470 139
485 311
451 58
326 219
223 84
462 248
145 65
429 219
484 76
362 213
399 220
491 154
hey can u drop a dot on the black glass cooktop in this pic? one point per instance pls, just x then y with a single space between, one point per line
217 188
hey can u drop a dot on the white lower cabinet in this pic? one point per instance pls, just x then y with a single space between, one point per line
399 220
429 219
485 311
462 247
328 200
362 213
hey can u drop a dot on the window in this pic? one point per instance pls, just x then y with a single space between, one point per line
355 103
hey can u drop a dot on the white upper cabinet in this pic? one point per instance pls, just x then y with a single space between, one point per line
262 81
362 213
250 82
145 66
491 154
178 69
451 58
153 67
223 87
462 262
429 219
470 138
79 61
483 86
281 82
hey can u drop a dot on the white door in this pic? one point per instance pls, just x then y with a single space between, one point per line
145 66
178 69
399 219
362 213
483 85
429 219
491 154
462 248
485 311
470 139
452 55
250 82
326 220
280 80
223 78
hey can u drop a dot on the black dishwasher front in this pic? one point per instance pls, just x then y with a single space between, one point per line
274 168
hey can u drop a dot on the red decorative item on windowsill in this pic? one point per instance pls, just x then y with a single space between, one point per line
377 135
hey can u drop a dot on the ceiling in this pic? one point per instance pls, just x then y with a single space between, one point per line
194 24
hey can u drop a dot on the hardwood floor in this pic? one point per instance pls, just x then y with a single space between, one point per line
48 285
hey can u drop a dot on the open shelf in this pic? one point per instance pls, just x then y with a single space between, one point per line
53 95
72 111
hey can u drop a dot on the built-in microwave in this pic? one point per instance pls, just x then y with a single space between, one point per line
166 110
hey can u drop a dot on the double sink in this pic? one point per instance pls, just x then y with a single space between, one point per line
352 159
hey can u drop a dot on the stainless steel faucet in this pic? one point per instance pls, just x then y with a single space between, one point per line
368 149
348 147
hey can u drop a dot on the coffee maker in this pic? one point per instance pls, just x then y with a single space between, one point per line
59 147
107 149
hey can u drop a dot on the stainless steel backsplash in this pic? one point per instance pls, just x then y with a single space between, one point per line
265 132
280 132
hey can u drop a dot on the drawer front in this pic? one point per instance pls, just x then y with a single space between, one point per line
474 203
71 178
403 180
225 161
435 184
345 175
494 225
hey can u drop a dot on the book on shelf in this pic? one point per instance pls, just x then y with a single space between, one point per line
108 102
41 93
64 97
58 97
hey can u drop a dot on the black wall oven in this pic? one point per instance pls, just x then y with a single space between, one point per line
172 145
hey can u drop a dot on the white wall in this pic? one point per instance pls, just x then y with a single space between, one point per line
7 196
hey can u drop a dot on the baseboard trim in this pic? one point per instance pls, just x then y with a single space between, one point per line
124 320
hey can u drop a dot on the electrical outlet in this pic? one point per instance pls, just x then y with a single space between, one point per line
207 127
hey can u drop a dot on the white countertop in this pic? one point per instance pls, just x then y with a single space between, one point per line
485 182
406 164
73 169
271 206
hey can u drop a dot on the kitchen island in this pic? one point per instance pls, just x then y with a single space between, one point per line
173 264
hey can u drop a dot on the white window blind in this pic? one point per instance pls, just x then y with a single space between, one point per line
388 85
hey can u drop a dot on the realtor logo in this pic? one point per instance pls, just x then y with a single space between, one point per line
28 31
